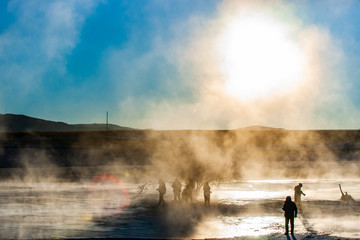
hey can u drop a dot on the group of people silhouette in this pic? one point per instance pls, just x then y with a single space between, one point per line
185 195
290 208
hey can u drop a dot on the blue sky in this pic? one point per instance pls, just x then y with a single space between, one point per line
155 64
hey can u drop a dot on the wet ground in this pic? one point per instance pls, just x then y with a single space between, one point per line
110 206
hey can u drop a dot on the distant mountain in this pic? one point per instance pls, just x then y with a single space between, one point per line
17 123
258 127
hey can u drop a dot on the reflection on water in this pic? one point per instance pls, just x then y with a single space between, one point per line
227 227
240 208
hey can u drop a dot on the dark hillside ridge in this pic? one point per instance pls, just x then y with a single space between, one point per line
22 123
69 148
295 153
258 127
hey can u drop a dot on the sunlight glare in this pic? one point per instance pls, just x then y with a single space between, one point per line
258 58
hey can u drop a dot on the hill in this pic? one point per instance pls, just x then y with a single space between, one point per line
20 123
258 127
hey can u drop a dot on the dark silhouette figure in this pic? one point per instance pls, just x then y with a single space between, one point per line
345 197
176 189
207 193
187 193
290 213
297 193
162 191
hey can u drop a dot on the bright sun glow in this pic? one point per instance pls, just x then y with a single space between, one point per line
258 58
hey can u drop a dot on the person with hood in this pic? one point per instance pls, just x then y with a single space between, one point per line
290 214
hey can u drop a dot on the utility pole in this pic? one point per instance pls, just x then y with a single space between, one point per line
107 120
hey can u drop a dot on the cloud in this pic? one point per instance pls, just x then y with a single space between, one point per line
37 43
169 76
314 103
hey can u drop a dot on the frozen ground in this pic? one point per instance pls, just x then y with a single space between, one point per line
108 207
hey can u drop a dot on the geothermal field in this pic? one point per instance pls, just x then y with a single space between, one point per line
238 209
74 185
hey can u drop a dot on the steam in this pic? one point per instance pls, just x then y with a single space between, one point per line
40 39
195 94
199 102
200 156
180 69
227 158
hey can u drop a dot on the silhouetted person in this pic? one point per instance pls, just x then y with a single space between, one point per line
207 193
297 193
290 213
187 193
176 189
162 191
345 197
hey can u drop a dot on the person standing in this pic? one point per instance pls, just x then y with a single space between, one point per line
188 192
290 214
176 189
207 193
297 193
162 191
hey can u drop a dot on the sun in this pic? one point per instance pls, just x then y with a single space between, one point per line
258 58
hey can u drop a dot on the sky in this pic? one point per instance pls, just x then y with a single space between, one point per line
183 64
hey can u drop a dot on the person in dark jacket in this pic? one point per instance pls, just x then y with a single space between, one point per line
162 191
186 195
207 192
176 189
290 213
